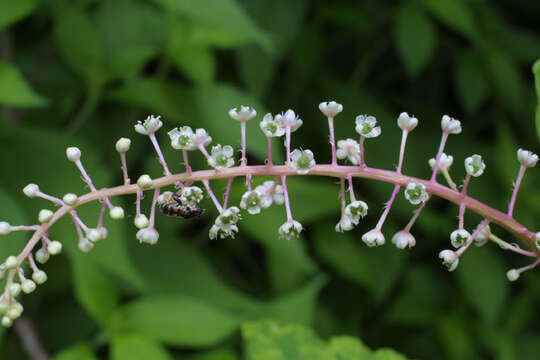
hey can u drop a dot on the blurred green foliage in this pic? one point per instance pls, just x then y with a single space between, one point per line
82 72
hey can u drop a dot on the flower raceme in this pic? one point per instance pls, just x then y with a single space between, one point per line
186 198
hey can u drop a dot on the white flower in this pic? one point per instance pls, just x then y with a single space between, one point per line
349 149
416 193
459 237
39 277
445 161
244 114
345 223
11 262
150 125
366 126
527 158
403 239
356 210
406 122
182 138
116 213
302 161
373 237
31 190
5 228
70 199
221 157
474 165
85 245
28 286
450 259
253 201
512 275
148 235
330 108
201 138
483 236
450 125
191 195
144 182
289 120
229 216
222 231
123 145
73 154
42 256
291 229
272 127
141 221
271 192
54 247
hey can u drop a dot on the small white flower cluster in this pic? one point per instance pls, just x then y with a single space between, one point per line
416 193
351 215
149 126
367 126
302 161
93 236
349 149
225 224
221 157
527 158
271 192
184 138
290 230
253 201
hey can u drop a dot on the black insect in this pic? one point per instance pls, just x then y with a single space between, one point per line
172 206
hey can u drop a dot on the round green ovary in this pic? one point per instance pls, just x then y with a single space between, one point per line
303 162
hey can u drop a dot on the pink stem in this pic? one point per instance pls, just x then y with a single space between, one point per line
269 163
88 181
124 168
387 208
212 196
248 182
462 205
286 195
186 161
101 215
528 267
243 161
438 157
332 140
288 144
516 188
138 203
402 150
520 251
227 192
351 188
160 154
479 228
153 208
342 193
362 157
52 199
415 216
205 153
78 220
25 228
32 263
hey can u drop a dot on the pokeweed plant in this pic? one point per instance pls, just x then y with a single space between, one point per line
184 201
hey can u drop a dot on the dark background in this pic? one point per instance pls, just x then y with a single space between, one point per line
83 72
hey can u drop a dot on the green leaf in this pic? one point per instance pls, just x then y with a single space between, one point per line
472 86
415 37
269 341
94 289
13 11
536 72
378 269
79 44
224 353
177 320
137 347
227 15
76 352
14 90
197 62
487 294
454 13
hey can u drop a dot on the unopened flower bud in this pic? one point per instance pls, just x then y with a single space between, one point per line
6 321
103 232
85 245
117 213
123 145
512 275
39 277
14 289
141 221
45 215
148 235
330 108
403 239
373 237
527 158
42 256
450 125
73 154
31 190
54 247
11 262
244 113
406 122
445 161
28 286
93 235
145 181
5 228
3 307
70 199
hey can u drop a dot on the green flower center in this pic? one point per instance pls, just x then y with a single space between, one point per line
271 128
303 162
183 140
415 193
357 210
253 200
366 128
221 160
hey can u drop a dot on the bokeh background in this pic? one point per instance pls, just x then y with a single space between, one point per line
82 72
